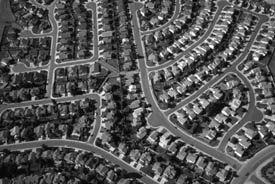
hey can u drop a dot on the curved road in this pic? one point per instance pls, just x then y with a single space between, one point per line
158 118
232 68
221 5
81 146
253 163
93 96
253 114
172 19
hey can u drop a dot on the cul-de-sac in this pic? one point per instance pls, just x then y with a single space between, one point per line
137 91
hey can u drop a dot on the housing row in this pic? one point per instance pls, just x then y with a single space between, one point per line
36 166
32 52
154 14
31 17
209 116
25 86
149 159
161 46
72 120
116 43
75 36
202 64
79 79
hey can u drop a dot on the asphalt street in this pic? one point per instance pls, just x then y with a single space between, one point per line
253 114
172 19
158 118
221 5
94 96
232 68
81 146
253 163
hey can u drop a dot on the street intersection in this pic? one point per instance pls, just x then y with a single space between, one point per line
157 117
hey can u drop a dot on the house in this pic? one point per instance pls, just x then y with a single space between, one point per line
153 137
197 109
79 159
95 69
157 168
220 118
5 181
237 94
235 104
182 179
47 154
204 103
238 150
244 141
181 89
216 93
172 93
145 158
111 176
271 127
173 147
135 155
15 131
193 79
70 157
186 83
175 70
250 133
124 181
192 158
122 148
211 169
222 174
201 163
156 77
132 88
263 131
165 139
162 130
214 124
167 74
181 118
226 111
102 169
137 112
182 153
169 172
4 135
248 65
106 137
142 132
211 134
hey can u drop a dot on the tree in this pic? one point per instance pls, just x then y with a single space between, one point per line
44 147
